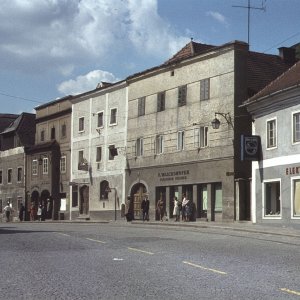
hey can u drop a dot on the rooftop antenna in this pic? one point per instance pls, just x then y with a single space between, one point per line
249 7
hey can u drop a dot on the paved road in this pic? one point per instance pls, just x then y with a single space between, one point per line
136 261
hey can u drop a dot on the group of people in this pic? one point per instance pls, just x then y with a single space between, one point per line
182 208
37 213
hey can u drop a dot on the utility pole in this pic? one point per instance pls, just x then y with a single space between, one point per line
249 7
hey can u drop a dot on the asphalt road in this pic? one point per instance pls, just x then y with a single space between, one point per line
136 261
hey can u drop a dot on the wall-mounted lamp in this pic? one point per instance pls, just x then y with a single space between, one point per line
41 159
216 122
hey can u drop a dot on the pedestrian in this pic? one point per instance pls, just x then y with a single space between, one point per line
39 213
8 210
128 208
32 212
21 212
176 211
160 209
145 208
185 209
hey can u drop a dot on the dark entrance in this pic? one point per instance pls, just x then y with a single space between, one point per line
84 200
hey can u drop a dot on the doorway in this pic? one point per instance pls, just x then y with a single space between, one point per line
138 192
84 200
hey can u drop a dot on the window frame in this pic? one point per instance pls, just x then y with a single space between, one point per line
180 140
161 101
34 167
81 124
271 145
293 180
45 166
182 95
63 164
159 144
63 131
115 116
98 159
100 113
294 126
205 89
139 147
141 106
9 175
270 216
42 135
19 174
111 157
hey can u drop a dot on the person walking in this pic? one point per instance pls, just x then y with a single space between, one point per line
21 212
176 210
145 208
7 210
185 209
160 209
39 213
32 212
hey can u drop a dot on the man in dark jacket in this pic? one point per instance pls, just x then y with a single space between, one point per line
145 208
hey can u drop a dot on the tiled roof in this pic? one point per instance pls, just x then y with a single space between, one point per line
262 69
189 50
286 80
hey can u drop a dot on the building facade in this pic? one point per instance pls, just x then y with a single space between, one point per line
276 176
48 160
173 149
18 135
99 128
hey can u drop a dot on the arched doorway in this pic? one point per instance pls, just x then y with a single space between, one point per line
138 191
84 200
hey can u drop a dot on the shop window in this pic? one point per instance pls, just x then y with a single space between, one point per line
104 187
218 198
296 197
272 205
296 128
271 134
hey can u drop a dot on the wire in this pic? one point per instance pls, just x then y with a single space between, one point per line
18 97
282 42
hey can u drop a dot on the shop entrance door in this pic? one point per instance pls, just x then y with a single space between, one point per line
137 200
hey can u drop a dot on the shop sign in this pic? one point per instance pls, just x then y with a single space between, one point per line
173 175
250 147
292 171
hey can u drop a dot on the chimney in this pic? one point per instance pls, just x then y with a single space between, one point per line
288 55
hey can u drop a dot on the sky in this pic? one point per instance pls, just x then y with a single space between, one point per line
53 48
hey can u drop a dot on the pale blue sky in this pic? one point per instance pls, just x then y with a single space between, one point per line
51 48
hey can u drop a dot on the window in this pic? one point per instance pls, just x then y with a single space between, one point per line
98 154
34 167
104 187
141 106
271 133
45 165
180 140
9 176
113 116
204 89
52 133
296 127
159 144
19 174
112 152
81 124
80 156
296 197
43 135
218 197
100 119
202 139
272 206
139 147
182 95
63 164
75 196
161 101
1 177
63 130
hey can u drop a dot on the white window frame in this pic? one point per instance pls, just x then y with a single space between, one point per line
294 126
81 124
45 165
19 168
34 167
111 115
268 136
139 147
11 175
203 136
159 144
180 140
63 164
293 179
100 113
274 216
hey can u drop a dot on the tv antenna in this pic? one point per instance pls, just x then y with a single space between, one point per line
249 7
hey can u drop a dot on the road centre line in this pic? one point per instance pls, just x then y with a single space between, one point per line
98 241
203 268
139 250
290 291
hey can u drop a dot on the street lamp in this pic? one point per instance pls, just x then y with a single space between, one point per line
216 122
